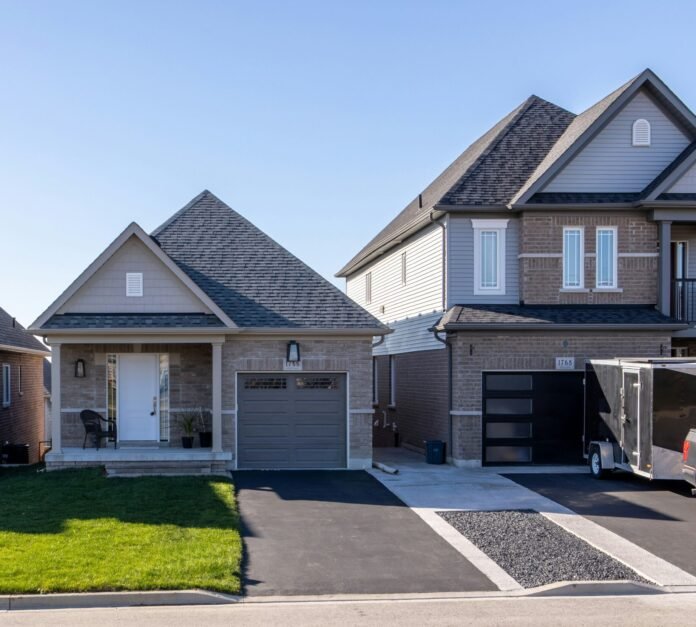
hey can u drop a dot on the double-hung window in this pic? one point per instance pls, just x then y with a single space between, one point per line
606 257
489 256
573 258
6 385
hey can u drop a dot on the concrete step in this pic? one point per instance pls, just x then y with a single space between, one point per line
160 468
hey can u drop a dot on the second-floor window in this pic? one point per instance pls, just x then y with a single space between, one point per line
368 288
606 257
573 258
489 256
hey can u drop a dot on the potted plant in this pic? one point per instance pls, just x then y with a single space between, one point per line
187 421
205 434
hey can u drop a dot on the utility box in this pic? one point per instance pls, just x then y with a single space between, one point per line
638 412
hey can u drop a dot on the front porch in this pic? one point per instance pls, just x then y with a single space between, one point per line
152 397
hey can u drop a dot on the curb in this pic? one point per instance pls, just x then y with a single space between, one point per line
113 599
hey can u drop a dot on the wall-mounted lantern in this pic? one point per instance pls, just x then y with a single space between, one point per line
293 355
80 369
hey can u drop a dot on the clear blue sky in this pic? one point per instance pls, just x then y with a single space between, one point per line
318 121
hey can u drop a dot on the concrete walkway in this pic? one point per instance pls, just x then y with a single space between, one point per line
428 489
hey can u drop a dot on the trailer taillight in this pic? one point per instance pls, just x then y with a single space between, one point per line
687 444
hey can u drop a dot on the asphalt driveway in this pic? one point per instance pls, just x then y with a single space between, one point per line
659 516
323 532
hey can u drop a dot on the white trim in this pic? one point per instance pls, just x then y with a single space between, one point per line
540 256
466 413
639 254
498 227
29 351
574 290
229 412
132 229
370 411
6 385
580 259
77 410
615 278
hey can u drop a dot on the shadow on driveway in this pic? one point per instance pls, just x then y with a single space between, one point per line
340 532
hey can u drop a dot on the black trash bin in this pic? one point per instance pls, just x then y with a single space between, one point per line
16 453
435 452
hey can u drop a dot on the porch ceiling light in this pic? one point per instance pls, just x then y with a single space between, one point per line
293 355
80 369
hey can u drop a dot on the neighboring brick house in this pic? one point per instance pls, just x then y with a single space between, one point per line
21 386
552 239
208 313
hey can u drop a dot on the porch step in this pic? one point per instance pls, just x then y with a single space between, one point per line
163 468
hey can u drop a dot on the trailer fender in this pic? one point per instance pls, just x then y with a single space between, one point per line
606 450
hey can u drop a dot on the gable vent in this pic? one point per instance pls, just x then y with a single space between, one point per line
134 283
641 133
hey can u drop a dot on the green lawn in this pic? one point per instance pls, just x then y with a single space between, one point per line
77 531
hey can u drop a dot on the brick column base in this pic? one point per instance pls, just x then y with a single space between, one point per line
466 439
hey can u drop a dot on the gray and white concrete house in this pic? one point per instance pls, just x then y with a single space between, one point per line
554 238
208 317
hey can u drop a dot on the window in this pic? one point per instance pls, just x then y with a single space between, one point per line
375 382
606 257
392 381
134 283
489 256
403 268
641 133
573 258
6 381
368 288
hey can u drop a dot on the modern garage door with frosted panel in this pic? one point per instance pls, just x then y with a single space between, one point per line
532 417
291 421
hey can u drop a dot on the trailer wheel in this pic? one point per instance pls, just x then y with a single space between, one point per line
595 462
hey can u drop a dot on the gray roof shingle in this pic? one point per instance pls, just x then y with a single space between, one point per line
254 280
133 321
488 172
14 334
466 316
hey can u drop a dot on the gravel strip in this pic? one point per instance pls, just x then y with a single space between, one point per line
535 551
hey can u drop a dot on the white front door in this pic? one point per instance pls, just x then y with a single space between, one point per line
138 394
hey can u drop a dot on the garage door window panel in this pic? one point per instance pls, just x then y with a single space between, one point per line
513 406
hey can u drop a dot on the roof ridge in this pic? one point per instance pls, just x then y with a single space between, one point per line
174 217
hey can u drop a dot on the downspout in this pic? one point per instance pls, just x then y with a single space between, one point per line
450 434
379 341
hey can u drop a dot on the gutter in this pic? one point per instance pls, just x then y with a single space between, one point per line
450 430
548 326
10 348
368 331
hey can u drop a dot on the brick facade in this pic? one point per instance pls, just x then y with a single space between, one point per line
191 382
23 421
541 277
421 399
474 353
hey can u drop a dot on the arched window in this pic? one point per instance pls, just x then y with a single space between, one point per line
641 133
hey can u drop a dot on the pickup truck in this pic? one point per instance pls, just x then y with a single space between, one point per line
689 463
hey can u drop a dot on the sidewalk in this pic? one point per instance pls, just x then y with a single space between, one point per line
428 489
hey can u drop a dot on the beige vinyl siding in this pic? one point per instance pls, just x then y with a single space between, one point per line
410 334
610 163
686 184
422 293
105 290
460 259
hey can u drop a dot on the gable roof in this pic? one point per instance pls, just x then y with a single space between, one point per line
132 230
487 173
586 126
14 337
254 280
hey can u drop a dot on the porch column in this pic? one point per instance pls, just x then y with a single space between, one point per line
56 446
665 270
217 397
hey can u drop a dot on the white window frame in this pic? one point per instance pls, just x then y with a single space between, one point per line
392 381
404 276
486 226
6 385
375 382
615 277
368 288
134 291
581 230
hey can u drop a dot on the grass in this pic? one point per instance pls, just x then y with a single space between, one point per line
77 531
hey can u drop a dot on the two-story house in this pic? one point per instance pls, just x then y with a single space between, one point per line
552 239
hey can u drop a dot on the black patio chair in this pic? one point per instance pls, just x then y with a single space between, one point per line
98 427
